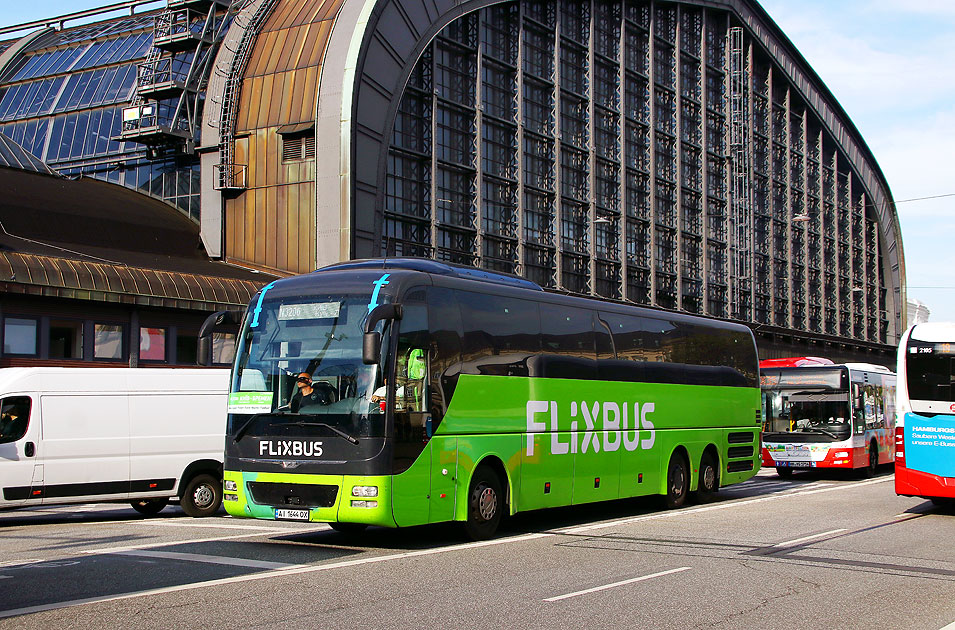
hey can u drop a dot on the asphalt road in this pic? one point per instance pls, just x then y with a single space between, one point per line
816 551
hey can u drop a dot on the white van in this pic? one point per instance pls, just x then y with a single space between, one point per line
142 435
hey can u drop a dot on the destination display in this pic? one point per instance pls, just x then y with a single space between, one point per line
789 378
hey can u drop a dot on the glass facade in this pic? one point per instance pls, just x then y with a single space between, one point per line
586 145
62 100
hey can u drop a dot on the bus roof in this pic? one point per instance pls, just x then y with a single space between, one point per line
934 332
437 268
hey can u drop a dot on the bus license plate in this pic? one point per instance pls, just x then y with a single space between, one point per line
798 464
282 514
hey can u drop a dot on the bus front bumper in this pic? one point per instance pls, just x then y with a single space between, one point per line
311 498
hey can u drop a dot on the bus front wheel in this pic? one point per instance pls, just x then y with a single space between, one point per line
873 465
485 503
678 481
785 473
349 529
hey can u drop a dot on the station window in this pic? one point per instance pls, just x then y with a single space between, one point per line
66 339
186 349
108 341
152 344
20 336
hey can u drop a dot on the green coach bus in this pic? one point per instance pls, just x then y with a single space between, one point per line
399 392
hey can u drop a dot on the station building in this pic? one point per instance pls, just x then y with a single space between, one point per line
679 155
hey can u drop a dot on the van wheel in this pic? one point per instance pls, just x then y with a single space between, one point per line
202 496
709 482
485 503
678 482
150 507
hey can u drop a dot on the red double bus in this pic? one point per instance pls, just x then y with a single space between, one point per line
817 414
925 427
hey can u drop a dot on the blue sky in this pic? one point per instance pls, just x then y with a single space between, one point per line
891 64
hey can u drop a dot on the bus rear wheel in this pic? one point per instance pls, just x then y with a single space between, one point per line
485 503
678 481
709 482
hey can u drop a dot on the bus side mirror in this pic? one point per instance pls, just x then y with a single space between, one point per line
221 321
371 342
371 347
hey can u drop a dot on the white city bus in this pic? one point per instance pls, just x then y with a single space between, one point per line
827 416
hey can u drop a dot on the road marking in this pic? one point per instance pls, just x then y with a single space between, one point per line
266 575
6 564
805 538
712 508
950 626
184 523
376 559
170 543
198 557
616 584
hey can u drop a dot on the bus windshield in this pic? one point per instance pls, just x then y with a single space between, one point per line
299 362
929 372
822 413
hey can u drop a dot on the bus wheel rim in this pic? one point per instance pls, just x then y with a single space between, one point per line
676 483
709 478
487 503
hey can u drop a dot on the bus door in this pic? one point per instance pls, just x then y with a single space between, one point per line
412 424
21 473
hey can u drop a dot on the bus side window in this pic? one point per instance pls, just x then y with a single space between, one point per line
567 342
412 429
444 320
501 334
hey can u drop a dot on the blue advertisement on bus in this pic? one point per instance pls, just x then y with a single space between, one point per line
930 444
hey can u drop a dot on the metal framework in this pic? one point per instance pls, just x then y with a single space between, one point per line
641 151
166 108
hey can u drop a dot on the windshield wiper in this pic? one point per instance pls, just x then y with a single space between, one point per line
256 416
823 431
302 423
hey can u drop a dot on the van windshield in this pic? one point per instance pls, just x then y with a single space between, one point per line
299 360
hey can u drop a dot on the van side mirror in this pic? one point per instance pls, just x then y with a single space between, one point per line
371 341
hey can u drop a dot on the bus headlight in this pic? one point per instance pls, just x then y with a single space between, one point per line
365 491
842 454
230 497
364 504
230 485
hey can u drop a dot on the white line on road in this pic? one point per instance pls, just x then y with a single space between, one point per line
399 556
805 538
950 626
213 525
616 584
170 543
13 563
198 557
269 574
718 506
